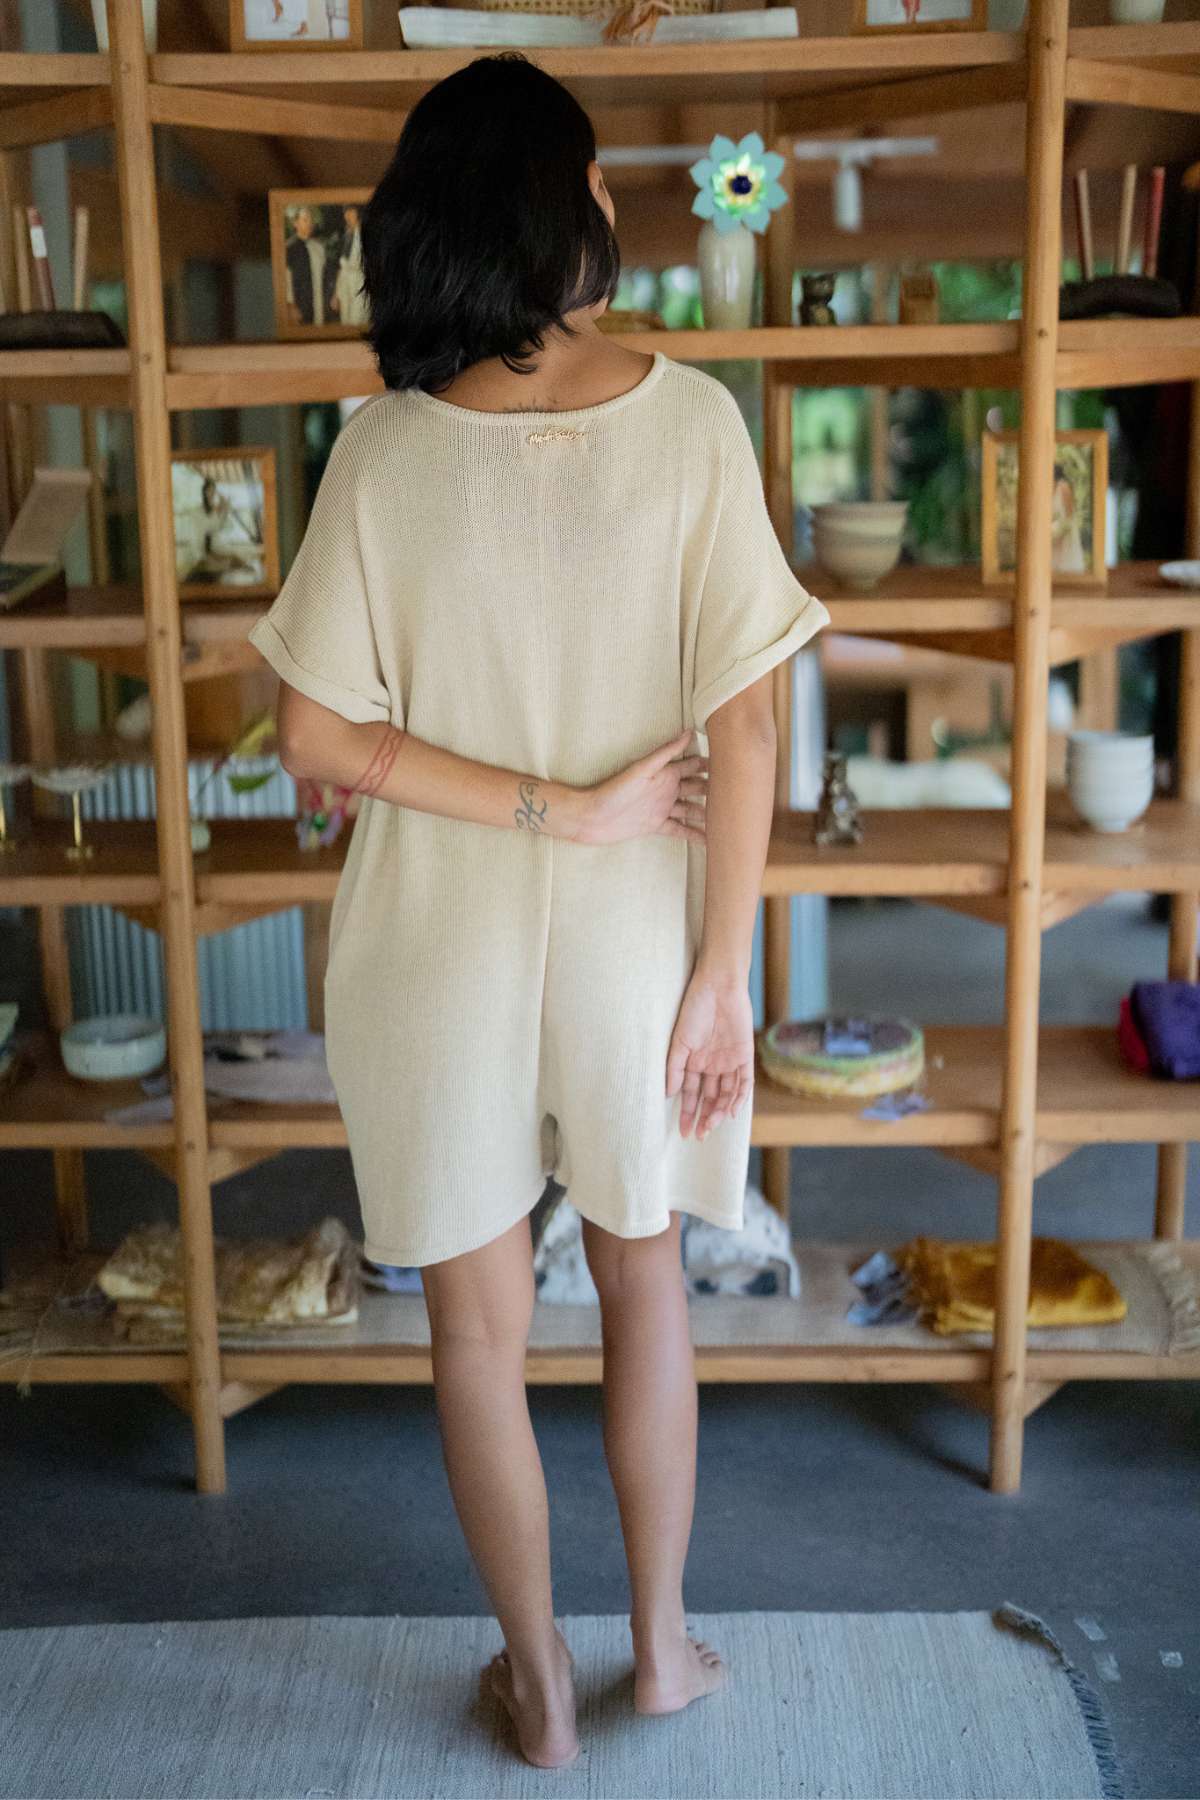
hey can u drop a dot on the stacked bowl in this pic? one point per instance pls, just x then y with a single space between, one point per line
858 541
1110 777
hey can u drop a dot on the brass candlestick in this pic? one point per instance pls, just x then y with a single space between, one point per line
73 780
10 774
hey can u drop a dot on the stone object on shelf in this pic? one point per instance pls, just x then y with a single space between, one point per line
816 292
837 819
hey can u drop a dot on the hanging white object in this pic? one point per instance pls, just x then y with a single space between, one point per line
847 197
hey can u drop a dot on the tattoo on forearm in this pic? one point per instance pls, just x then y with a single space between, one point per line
529 815
379 767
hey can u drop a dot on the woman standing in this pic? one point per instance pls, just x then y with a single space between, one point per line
535 566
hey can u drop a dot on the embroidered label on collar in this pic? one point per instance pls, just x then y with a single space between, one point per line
548 437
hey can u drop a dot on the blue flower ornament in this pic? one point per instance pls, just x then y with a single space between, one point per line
739 183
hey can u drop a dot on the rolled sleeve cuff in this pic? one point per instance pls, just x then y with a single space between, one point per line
359 708
808 621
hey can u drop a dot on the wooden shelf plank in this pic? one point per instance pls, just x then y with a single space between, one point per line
965 1091
48 1107
941 850
65 377
1088 1095
123 869
601 74
776 1338
806 1337
28 75
90 618
1127 352
1159 853
930 852
209 375
932 600
259 861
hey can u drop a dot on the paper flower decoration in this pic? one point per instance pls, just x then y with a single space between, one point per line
739 183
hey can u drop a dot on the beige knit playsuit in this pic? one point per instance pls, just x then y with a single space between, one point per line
556 593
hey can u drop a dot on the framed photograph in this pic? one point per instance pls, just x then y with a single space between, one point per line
1080 478
295 24
316 261
919 15
226 541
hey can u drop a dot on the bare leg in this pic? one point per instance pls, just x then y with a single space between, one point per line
480 1306
650 1407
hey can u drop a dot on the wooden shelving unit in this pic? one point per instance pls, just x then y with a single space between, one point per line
1013 1099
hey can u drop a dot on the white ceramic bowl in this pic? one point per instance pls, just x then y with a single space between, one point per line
1181 574
1111 806
1108 743
113 1046
864 518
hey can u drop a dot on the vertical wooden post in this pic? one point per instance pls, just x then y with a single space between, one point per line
777 477
1044 119
134 136
1171 1195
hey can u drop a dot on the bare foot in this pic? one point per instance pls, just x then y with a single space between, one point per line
544 1721
671 1679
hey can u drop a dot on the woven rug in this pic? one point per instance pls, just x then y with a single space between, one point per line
852 1706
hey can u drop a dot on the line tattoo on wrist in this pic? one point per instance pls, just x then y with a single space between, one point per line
528 815
379 767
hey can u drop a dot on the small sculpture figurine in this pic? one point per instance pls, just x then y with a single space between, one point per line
816 291
837 820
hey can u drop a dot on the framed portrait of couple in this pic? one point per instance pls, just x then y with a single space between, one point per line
316 261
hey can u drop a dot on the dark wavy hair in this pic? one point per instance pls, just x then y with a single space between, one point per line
483 232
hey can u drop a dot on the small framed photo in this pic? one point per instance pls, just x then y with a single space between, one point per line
1080 477
226 539
919 15
295 24
316 261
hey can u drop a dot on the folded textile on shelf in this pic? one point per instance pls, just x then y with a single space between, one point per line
756 1261
311 1279
1167 1014
954 1284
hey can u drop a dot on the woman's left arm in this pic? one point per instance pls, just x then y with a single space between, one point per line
661 793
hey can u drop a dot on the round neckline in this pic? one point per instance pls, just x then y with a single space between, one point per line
491 416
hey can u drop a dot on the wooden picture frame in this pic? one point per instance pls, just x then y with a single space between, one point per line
296 11
338 283
888 16
1079 557
253 571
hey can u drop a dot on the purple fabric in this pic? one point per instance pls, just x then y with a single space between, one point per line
1168 1018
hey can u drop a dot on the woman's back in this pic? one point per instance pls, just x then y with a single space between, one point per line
558 590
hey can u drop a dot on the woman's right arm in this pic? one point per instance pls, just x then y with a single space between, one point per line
710 1060
661 793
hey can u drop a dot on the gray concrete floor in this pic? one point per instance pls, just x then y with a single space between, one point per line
809 1498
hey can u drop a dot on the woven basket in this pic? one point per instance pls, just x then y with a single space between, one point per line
574 9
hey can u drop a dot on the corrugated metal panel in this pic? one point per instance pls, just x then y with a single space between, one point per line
251 977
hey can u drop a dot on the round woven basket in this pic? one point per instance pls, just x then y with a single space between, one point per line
792 1054
574 9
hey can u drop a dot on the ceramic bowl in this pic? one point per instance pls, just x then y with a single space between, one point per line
1111 806
877 518
1108 743
859 563
858 542
1181 574
113 1046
